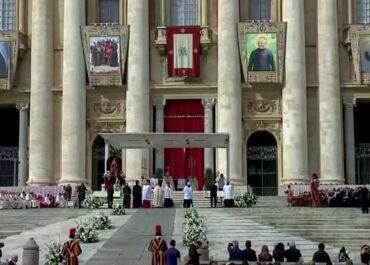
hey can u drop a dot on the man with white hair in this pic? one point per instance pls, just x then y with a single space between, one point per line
13 260
292 254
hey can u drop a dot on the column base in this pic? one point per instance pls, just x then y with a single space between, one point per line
332 181
238 182
72 181
295 181
40 182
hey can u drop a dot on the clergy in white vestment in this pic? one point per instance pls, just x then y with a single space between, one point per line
147 195
168 202
153 182
158 196
228 195
188 195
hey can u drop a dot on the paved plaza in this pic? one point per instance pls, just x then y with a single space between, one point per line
127 243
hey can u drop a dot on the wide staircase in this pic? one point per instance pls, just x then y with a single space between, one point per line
336 227
200 201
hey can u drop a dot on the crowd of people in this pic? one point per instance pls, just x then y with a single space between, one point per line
335 197
290 254
105 52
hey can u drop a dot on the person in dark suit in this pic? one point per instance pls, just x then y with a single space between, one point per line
321 256
213 191
248 253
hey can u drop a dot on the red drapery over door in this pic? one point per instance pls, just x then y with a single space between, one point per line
184 116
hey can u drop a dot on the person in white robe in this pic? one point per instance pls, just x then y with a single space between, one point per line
147 195
153 182
168 202
228 195
158 196
188 196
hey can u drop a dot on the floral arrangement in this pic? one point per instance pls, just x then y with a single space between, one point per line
107 174
194 227
86 232
191 213
92 202
245 199
118 210
100 222
54 255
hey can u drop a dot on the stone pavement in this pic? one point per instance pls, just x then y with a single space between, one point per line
128 246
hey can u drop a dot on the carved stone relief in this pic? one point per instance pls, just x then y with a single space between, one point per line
273 126
263 107
106 108
106 127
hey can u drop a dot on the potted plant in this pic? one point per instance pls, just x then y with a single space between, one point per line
208 182
159 174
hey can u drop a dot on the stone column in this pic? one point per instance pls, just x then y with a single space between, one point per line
350 141
208 104
330 104
163 16
294 105
106 156
137 97
73 166
204 13
23 143
41 111
159 127
229 96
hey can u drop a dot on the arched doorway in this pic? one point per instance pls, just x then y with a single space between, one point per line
98 160
262 163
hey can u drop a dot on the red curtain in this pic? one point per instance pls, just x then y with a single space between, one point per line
184 116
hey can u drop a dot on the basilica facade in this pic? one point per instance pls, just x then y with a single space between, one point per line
288 80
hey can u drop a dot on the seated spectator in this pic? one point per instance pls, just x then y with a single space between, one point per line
1 246
292 254
248 253
321 256
265 254
365 254
13 260
278 253
234 251
343 256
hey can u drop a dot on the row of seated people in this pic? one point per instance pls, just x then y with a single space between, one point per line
291 255
337 197
23 200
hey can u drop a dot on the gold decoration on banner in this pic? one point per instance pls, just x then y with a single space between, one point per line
262 51
8 58
105 48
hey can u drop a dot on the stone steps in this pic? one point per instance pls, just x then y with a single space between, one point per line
306 226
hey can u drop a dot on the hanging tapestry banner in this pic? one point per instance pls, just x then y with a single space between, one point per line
262 51
8 58
359 37
183 51
105 49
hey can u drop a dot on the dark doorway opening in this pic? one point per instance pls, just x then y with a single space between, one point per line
362 142
98 161
262 163
9 116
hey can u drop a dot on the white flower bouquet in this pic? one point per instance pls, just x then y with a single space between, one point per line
100 222
191 213
194 227
86 232
118 210
92 202
54 256
245 199
107 174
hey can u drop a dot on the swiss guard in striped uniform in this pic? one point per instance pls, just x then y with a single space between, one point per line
71 249
157 246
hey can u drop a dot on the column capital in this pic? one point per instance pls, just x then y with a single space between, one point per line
349 101
159 102
208 103
21 106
